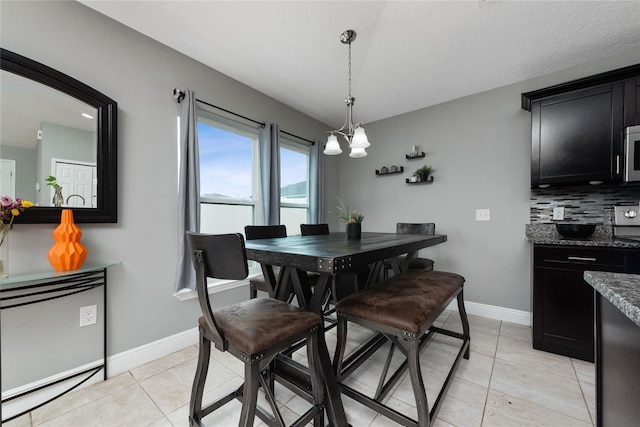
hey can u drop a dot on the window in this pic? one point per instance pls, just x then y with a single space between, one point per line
228 175
294 185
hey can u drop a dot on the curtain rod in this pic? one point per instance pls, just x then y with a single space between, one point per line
179 95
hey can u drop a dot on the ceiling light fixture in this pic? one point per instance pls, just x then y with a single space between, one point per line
353 133
87 116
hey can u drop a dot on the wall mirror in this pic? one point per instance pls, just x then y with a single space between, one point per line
54 125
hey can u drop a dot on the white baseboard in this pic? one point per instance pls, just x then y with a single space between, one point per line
116 364
127 360
495 312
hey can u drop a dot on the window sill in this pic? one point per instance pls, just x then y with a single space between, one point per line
215 286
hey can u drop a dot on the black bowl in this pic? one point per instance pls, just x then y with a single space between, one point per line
576 231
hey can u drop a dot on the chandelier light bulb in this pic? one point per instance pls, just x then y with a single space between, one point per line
333 147
357 152
360 139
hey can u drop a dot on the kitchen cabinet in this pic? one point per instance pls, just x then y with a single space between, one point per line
563 303
577 128
632 102
577 137
617 367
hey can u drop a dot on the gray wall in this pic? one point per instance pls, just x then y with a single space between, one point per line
25 170
480 146
140 75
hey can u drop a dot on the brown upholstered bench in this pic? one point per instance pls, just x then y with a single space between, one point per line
403 308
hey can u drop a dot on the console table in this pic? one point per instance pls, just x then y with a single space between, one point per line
25 289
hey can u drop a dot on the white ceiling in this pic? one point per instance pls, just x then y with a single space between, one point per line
407 55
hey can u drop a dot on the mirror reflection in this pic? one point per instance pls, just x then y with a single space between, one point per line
56 126
46 133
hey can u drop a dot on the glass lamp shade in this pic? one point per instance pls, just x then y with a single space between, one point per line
360 139
332 148
357 152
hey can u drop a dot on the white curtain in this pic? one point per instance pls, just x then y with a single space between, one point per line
188 190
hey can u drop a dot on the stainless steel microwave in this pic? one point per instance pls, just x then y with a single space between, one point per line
632 153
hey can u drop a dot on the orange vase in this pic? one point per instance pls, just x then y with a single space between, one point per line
67 253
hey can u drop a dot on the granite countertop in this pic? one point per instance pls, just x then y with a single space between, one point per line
622 290
546 234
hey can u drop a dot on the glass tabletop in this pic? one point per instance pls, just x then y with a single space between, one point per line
52 274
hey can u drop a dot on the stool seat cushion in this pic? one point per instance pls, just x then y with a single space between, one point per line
405 301
259 323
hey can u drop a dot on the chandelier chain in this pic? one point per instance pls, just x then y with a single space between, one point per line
349 69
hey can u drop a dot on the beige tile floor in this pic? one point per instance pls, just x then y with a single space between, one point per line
504 383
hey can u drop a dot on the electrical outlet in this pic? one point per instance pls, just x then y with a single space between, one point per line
558 213
483 214
88 315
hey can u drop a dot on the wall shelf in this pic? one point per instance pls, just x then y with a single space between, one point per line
428 181
399 170
419 156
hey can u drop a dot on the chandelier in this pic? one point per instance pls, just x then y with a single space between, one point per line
353 133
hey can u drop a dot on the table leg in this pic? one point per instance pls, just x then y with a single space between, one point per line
335 410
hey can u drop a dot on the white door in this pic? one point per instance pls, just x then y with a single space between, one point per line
77 181
8 178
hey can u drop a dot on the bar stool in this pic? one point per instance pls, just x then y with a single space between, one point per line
254 331
403 309
252 232
413 228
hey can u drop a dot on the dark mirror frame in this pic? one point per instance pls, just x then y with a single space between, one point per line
106 158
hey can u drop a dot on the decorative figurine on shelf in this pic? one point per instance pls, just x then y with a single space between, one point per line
414 151
58 199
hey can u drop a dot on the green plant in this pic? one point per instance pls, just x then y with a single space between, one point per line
51 181
424 171
350 217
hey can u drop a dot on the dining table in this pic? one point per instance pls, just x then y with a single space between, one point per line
327 256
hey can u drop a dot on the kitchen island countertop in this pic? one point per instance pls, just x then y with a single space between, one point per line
622 290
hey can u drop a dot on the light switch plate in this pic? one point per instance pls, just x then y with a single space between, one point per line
483 214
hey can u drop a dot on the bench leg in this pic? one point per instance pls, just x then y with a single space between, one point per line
415 374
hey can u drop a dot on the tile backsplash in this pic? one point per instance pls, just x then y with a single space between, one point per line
584 204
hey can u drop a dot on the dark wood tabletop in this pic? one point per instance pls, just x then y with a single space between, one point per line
333 253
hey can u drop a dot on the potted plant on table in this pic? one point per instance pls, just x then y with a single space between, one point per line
353 219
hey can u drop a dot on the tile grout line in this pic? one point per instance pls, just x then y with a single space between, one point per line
493 363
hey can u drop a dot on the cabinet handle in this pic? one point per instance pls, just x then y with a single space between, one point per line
581 258
618 164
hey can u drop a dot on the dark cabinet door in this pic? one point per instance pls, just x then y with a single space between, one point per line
563 303
563 313
577 137
632 102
